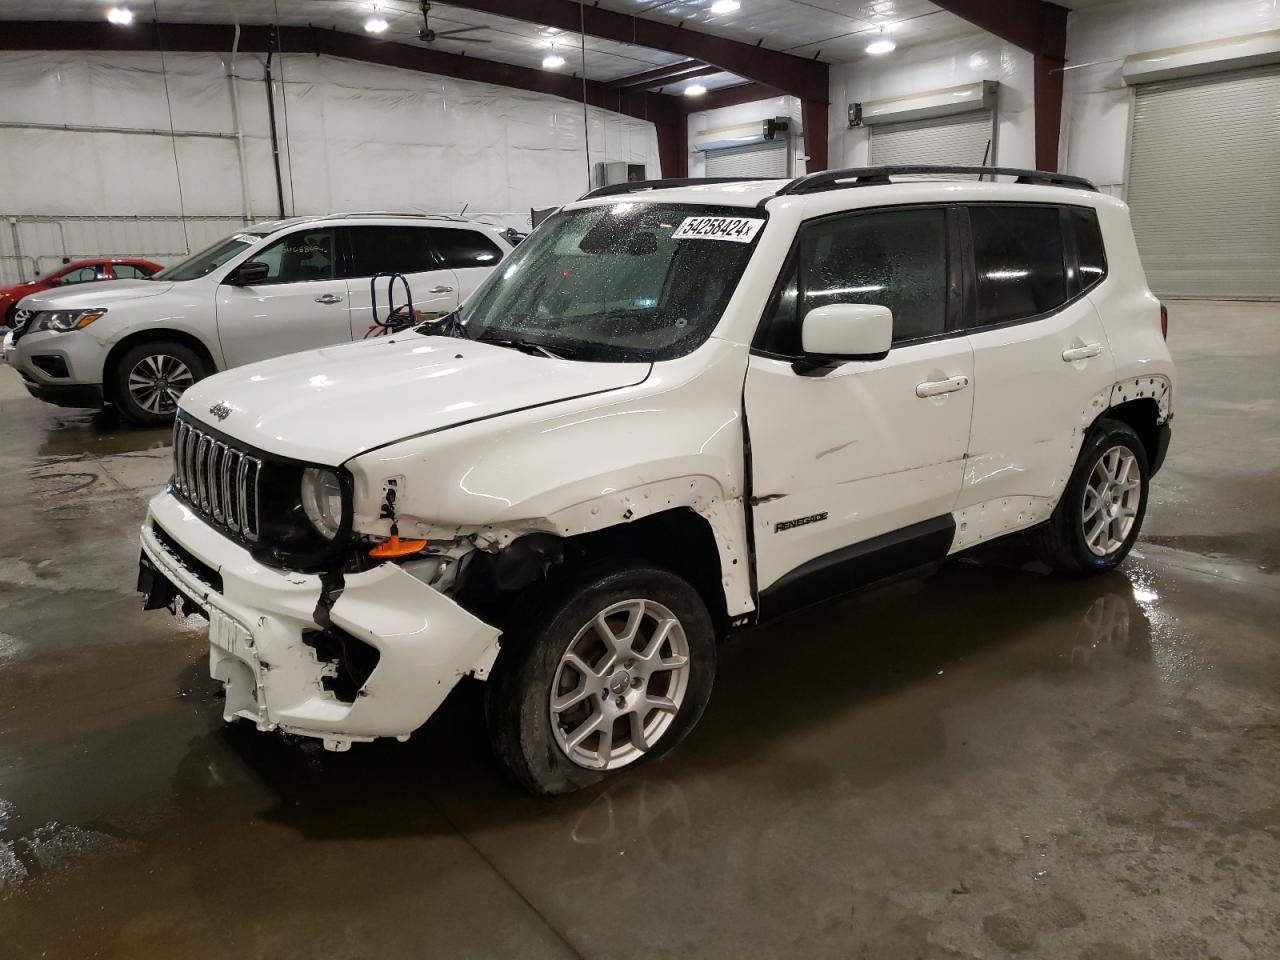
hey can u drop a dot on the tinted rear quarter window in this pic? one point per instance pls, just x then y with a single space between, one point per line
1019 262
1091 258
465 248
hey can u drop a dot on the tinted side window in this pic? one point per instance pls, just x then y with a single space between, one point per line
129 271
465 248
896 258
1091 259
305 255
1019 262
401 249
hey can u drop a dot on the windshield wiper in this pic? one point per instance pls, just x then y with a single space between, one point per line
528 346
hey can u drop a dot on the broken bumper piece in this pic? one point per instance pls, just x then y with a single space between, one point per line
392 650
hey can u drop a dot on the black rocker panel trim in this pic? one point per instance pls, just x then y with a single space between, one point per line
848 568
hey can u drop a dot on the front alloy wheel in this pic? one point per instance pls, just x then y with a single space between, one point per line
620 684
157 382
615 667
149 379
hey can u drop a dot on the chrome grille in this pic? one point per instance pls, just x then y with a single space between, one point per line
220 481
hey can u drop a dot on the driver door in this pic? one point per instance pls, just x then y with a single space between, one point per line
301 305
856 466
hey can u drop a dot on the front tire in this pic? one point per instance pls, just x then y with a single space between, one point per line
1100 514
149 379
617 669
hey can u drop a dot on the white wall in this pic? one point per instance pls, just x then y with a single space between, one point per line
1096 103
354 136
756 111
931 67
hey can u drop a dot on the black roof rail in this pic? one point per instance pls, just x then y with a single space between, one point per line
878 176
614 189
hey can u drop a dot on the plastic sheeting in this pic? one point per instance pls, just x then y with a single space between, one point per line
353 136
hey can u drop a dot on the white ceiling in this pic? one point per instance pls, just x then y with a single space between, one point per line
831 30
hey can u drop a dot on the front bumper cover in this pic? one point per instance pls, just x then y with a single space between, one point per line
258 617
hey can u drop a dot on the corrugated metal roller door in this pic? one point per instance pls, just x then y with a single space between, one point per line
765 159
1204 184
961 139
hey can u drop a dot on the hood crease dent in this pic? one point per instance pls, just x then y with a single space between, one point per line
326 406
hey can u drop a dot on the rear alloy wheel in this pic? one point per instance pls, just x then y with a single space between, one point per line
1112 495
618 669
151 378
1100 514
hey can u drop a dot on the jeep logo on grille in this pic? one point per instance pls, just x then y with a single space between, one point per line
221 411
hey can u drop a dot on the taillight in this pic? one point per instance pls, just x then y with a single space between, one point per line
1164 321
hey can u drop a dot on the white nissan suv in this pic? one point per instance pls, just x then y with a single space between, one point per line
679 409
268 290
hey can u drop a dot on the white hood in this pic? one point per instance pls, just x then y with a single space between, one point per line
101 293
328 405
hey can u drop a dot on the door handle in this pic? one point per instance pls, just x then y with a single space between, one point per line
1072 354
935 388
328 298
441 289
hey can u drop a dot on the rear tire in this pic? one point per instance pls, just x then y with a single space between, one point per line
149 379
1100 514
567 706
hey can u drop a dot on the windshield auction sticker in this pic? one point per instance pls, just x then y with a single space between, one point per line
737 229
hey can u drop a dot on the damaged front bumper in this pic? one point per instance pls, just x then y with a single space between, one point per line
391 650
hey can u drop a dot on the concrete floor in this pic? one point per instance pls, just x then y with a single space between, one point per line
982 763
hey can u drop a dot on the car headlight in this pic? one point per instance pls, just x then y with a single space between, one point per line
64 321
322 500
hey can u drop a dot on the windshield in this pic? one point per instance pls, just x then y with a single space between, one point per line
626 281
210 258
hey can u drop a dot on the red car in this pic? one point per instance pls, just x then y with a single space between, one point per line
79 271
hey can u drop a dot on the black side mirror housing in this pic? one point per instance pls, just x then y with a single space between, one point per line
249 273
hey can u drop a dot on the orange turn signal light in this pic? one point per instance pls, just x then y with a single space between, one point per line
395 547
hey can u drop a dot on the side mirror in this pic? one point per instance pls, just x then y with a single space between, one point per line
249 273
846 331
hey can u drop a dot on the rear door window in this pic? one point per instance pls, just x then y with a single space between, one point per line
391 249
1019 262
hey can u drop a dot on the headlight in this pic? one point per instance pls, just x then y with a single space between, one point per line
64 321
322 500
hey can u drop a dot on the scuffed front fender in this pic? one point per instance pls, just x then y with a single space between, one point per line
672 442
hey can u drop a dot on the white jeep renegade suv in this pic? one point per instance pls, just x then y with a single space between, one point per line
680 408
268 290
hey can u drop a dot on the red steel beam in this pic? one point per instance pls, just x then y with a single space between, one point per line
798 76
217 38
1040 28
677 72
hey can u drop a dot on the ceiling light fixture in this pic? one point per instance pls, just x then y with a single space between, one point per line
552 60
881 44
122 16
694 90
725 6
375 24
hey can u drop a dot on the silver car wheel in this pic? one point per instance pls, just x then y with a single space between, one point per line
157 382
619 684
1111 498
